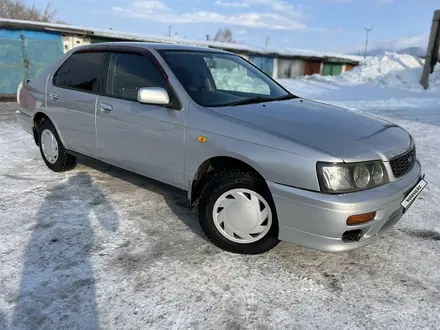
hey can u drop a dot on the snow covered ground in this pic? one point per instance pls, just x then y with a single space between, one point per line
99 247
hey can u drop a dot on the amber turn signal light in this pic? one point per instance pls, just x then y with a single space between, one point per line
360 218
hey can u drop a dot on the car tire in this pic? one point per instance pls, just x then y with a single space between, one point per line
52 150
241 202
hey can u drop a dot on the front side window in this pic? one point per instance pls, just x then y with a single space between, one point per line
218 79
80 71
127 73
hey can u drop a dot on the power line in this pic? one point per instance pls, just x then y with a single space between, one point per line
368 30
384 14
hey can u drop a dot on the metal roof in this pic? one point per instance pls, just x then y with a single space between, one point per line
234 47
157 46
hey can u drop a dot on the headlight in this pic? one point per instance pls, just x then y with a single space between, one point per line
343 178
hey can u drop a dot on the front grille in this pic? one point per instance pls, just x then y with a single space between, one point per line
403 163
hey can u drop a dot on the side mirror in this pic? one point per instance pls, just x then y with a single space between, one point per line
153 95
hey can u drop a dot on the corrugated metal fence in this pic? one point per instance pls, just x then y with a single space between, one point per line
23 54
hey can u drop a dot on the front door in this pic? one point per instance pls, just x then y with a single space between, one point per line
71 100
144 138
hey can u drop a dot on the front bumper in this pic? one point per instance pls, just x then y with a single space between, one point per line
318 221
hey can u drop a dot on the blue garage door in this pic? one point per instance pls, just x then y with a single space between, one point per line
265 64
23 54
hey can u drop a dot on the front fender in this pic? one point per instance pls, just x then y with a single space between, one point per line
272 164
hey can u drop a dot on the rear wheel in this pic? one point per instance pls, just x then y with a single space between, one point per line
237 213
52 150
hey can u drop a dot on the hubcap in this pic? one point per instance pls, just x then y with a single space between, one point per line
242 216
49 145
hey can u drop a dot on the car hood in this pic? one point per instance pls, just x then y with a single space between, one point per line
339 132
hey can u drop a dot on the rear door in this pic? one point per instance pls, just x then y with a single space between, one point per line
144 138
71 100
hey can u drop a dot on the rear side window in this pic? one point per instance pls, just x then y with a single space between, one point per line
127 73
81 71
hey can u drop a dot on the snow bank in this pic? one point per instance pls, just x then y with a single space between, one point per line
434 80
390 70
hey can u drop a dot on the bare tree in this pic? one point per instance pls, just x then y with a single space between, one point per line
20 9
224 35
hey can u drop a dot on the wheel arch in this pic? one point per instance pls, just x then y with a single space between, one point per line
218 163
38 118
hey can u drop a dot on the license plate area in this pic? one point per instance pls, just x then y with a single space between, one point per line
412 195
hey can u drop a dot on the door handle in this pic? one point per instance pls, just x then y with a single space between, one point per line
54 96
105 108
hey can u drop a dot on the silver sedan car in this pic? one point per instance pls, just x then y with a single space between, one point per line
259 163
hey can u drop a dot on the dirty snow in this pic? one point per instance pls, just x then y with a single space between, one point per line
99 247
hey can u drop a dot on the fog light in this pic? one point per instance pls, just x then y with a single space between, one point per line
352 236
360 218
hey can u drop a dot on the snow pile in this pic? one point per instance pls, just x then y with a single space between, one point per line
413 45
390 70
434 79
238 80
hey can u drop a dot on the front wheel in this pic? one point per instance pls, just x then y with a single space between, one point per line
237 213
52 150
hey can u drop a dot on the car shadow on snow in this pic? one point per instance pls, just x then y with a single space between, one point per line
57 286
152 212
176 199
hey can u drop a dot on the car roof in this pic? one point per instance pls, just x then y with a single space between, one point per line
156 46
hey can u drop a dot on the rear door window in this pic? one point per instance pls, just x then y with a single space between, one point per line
81 72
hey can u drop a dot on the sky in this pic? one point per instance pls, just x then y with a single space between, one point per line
326 25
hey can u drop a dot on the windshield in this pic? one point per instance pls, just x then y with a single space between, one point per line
216 79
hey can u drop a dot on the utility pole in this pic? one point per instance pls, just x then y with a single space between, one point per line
432 53
169 30
368 30
267 41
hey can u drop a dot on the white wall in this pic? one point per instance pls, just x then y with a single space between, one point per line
70 41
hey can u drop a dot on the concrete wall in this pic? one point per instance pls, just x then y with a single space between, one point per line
25 53
70 41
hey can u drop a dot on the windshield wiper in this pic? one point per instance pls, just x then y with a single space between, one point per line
258 99
286 97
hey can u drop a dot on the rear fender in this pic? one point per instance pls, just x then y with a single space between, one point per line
45 114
